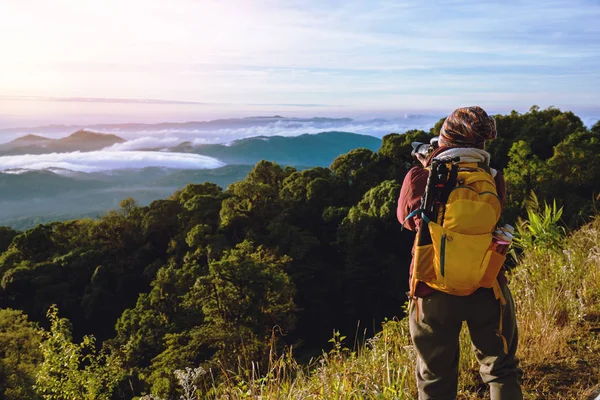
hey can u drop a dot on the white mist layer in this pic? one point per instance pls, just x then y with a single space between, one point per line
97 161
146 142
377 128
163 135
291 128
164 138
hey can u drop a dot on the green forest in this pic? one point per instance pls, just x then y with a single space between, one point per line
210 277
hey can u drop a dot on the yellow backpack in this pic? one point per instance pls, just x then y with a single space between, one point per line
454 252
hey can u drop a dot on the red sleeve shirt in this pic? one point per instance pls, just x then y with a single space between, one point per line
411 192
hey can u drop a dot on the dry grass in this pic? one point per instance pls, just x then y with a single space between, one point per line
557 293
381 368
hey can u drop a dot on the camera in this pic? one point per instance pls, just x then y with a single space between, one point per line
424 148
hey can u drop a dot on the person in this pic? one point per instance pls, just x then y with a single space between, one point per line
435 317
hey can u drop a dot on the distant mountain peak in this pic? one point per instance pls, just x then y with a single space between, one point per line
82 140
266 117
30 138
307 149
85 134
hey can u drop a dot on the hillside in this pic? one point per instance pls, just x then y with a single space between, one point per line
315 150
30 197
218 124
23 141
250 283
559 338
81 140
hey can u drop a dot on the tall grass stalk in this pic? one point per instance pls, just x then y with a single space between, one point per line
380 368
556 289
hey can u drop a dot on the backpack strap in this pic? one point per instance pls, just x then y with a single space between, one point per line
485 167
412 214
500 297
415 213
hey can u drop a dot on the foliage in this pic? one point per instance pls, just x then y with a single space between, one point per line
541 231
358 171
226 279
541 129
20 355
396 150
244 296
375 247
6 236
187 380
525 172
556 294
381 368
74 371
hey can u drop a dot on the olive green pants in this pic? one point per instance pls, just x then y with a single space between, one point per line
435 336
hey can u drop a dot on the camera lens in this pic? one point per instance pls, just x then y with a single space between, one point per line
421 148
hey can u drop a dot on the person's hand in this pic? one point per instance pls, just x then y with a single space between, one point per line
422 159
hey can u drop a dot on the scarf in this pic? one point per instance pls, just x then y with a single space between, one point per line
467 154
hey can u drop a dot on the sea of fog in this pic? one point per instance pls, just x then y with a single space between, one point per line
227 130
106 160
141 138
57 119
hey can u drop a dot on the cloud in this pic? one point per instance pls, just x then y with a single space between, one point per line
146 142
98 100
306 52
164 135
160 137
375 127
109 160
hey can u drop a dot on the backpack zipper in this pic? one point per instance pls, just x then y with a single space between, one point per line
479 193
443 254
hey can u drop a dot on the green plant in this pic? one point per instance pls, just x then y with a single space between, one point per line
73 371
542 230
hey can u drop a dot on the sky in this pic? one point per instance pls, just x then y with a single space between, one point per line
95 61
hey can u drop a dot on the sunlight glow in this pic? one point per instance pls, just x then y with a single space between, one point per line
364 55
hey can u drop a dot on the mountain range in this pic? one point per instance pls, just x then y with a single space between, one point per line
82 140
32 197
228 123
29 197
307 150
311 150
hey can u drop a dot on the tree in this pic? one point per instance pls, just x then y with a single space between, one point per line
435 131
377 256
35 244
74 371
268 173
191 190
157 313
358 171
245 295
161 222
6 236
575 169
525 172
128 205
20 356
540 129
253 202
299 186
595 129
396 151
